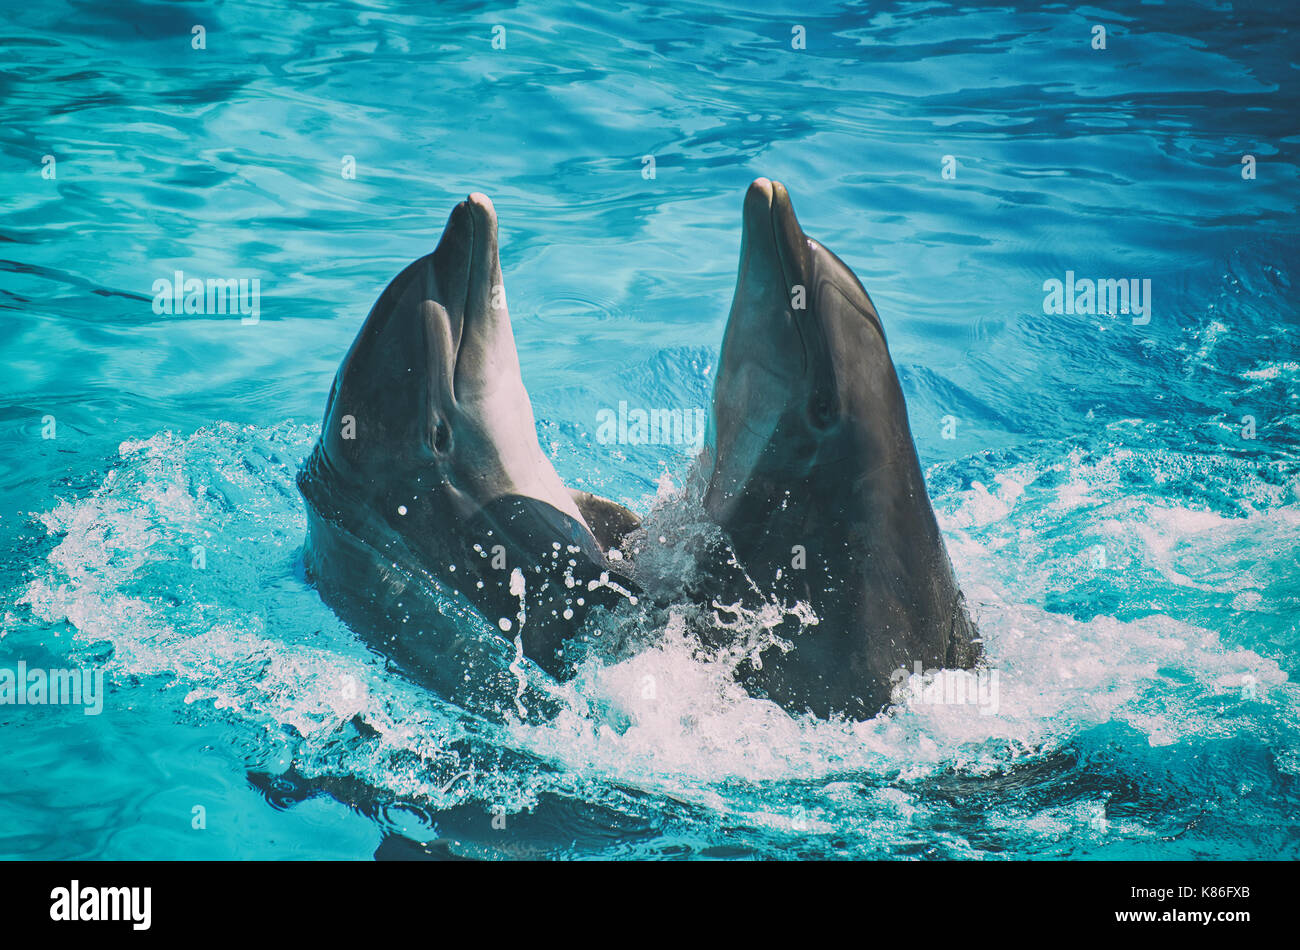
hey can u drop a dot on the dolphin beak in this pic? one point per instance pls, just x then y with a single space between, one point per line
485 269
758 206
465 263
765 352
468 324
486 358
773 234
453 264
774 290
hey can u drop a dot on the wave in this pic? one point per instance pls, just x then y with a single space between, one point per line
179 572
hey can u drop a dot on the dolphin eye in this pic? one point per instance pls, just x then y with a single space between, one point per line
441 437
821 411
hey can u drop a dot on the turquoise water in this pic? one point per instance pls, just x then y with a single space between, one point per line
1130 555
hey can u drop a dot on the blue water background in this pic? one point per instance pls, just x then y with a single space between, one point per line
1131 556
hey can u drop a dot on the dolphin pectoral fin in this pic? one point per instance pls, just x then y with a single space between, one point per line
609 521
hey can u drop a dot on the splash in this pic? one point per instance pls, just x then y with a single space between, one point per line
244 638
518 588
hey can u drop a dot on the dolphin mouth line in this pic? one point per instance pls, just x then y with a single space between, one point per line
469 285
779 246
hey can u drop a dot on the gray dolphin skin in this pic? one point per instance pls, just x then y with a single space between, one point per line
432 511
428 497
814 465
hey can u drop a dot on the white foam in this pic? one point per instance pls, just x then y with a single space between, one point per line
248 640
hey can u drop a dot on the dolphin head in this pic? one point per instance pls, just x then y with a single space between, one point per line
806 390
429 405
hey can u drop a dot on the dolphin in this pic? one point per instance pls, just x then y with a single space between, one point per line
433 517
815 481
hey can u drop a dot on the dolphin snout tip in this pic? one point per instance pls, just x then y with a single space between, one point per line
768 201
767 191
758 199
758 205
481 209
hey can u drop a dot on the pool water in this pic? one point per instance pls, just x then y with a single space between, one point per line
1120 493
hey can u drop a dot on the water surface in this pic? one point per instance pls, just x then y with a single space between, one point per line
1130 554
